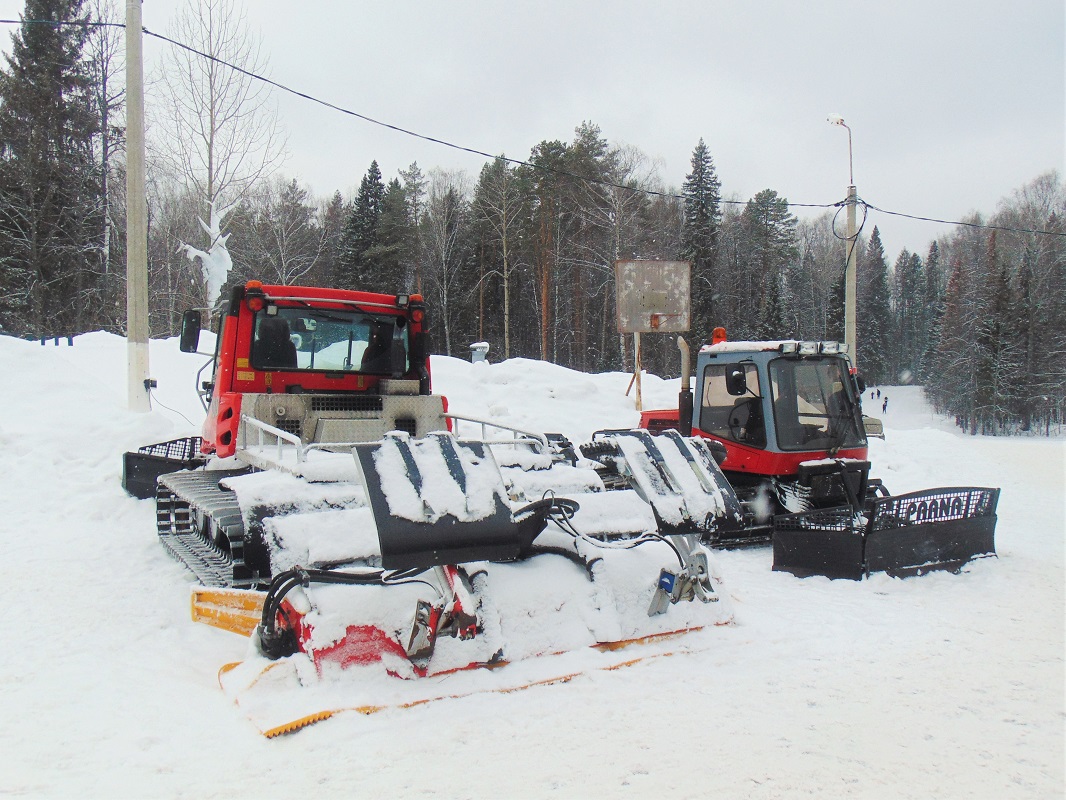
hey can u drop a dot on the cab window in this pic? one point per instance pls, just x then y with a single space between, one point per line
325 340
735 417
812 408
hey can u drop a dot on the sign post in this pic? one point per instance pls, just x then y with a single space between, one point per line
651 297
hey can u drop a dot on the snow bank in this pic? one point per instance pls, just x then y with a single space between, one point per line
944 686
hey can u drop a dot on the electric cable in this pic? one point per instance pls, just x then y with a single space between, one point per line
512 161
152 397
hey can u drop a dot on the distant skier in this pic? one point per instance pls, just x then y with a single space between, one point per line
878 394
884 406
871 395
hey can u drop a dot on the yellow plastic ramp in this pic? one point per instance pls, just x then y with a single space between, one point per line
234 610
280 697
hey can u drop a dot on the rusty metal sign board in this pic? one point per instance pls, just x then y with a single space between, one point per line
653 296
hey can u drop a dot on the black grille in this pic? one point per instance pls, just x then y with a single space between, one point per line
660 425
292 426
178 449
934 505
407 425
361 402
829 519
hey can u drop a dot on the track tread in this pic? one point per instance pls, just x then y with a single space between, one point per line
177 495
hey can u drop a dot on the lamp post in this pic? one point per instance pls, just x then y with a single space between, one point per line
849 272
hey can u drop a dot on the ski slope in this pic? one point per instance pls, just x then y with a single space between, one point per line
941 686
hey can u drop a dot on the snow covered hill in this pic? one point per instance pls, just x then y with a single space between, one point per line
941 686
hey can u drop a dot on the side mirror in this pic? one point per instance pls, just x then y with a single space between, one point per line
860 382
190 331
736 383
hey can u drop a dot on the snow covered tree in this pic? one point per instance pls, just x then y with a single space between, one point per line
51 212
332 215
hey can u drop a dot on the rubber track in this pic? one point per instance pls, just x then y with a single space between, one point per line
178 495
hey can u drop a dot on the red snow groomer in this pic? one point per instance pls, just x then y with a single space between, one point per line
788 415
339 515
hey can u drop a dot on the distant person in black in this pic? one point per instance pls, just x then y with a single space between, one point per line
884 406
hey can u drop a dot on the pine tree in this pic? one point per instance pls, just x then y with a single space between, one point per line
543 186
933 301
950 384
389 256
874 320
910 312
770 237
333 216
699 238
995 348
414 191
50 206
361 231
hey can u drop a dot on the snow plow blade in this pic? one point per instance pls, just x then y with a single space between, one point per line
440 501
902 535
677 477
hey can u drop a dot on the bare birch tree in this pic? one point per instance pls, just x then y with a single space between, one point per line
218 130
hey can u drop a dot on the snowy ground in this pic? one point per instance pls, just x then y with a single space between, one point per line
941 686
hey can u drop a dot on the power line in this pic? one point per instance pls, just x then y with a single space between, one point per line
443 142
516 162
63 23
966 224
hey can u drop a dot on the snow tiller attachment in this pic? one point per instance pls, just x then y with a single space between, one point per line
469 575
908 534
475 569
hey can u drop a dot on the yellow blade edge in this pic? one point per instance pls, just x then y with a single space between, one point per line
234 610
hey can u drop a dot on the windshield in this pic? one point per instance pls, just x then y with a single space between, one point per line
734 417
812 407
326 340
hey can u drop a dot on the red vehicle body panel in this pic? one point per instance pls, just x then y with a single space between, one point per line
235 376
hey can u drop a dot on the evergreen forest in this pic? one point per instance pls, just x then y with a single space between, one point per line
520 255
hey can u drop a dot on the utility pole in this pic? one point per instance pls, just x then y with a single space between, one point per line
850 282
849 270
136 218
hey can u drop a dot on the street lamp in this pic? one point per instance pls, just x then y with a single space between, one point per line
849 271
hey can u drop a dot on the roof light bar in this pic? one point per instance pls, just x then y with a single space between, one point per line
813 348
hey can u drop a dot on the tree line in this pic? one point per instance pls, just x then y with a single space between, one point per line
521 255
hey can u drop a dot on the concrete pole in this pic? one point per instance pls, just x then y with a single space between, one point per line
849 269
850 280
136 218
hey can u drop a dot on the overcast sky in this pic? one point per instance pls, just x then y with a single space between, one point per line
952 105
